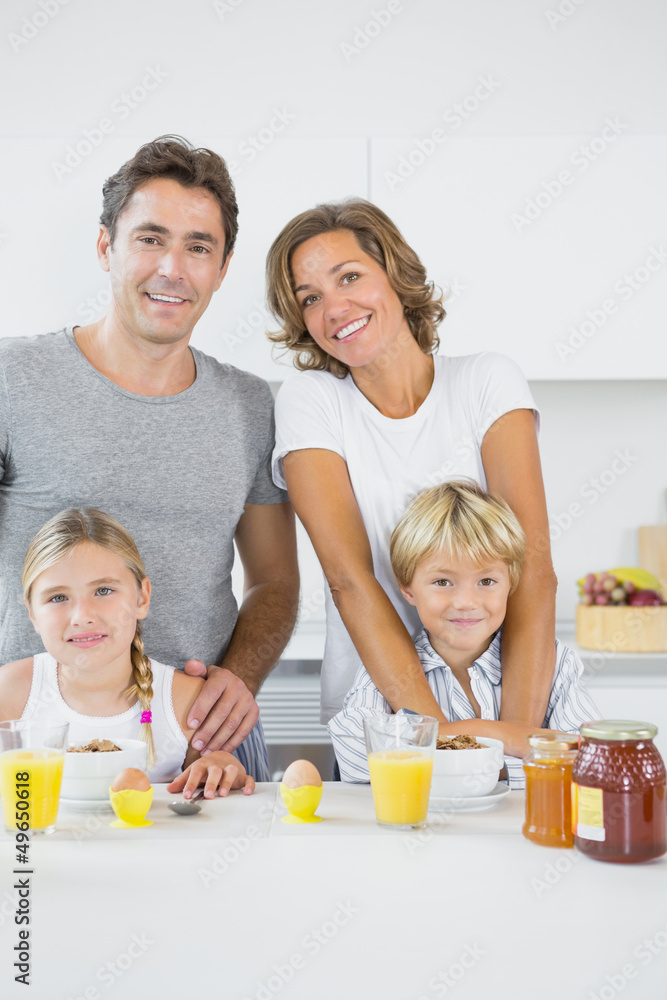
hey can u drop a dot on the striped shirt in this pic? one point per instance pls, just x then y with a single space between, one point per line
253 754
569 703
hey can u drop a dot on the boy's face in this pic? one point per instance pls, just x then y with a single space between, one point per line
460 604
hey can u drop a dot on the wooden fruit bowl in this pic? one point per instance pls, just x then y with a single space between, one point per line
622 630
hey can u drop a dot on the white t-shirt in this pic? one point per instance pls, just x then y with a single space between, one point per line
389 461
46 704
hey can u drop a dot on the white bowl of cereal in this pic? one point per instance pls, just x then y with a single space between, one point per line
89 770
462 772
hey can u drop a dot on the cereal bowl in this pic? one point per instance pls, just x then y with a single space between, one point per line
89 775
467 773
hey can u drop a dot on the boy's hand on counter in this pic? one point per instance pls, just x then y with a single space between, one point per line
219 772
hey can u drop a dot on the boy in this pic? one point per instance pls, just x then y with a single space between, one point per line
457 554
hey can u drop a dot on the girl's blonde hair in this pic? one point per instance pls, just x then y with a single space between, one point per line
378 237
58 537
463 520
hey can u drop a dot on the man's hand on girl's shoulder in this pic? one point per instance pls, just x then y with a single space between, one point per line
225 711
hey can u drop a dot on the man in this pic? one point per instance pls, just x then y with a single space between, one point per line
123 415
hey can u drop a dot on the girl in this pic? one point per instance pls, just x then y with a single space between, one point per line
86 591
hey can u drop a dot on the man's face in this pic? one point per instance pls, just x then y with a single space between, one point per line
166 260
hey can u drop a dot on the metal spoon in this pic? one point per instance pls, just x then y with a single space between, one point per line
188 807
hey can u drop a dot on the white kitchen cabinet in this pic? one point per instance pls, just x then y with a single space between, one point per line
549 256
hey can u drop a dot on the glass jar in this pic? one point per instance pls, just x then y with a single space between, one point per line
619 790
548 769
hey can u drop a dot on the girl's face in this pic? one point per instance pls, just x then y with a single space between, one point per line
347 302
86 607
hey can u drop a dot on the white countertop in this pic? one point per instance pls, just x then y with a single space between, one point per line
236 904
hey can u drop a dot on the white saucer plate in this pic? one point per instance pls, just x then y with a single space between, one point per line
472 803
86 805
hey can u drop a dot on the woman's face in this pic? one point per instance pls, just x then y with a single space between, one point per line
348 305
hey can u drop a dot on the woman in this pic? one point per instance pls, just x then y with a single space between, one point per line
373 418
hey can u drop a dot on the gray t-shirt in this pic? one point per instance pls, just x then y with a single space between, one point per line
176 471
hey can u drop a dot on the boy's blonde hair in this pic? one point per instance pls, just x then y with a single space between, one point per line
463 520
58 537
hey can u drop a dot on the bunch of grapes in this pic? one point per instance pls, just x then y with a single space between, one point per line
610 589
605 588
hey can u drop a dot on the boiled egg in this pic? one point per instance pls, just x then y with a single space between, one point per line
131 779
300 773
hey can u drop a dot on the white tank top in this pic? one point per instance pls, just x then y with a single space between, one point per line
46 704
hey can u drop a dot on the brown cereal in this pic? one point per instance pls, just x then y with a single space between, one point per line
462 742
95 746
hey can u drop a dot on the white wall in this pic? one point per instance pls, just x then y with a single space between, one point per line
453 116
605 473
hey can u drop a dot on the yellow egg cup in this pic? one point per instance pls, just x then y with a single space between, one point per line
301 803
131 806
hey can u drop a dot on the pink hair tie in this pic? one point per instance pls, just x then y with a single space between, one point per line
146 718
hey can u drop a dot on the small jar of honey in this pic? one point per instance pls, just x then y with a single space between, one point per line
619 787
548 768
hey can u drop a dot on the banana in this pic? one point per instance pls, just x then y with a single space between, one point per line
642 579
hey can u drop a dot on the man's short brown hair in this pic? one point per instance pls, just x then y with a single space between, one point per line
173 157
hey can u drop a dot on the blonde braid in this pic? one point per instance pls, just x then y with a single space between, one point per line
142 688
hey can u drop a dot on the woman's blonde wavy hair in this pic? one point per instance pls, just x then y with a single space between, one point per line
463 520
52 543
377 236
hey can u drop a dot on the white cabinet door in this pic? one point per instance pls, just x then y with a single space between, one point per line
552 247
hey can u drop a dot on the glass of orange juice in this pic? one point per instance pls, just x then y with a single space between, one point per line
400 761
31 769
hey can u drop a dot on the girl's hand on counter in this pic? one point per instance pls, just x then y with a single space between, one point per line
218 772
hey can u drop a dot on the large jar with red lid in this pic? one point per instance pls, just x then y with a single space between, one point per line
619 792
